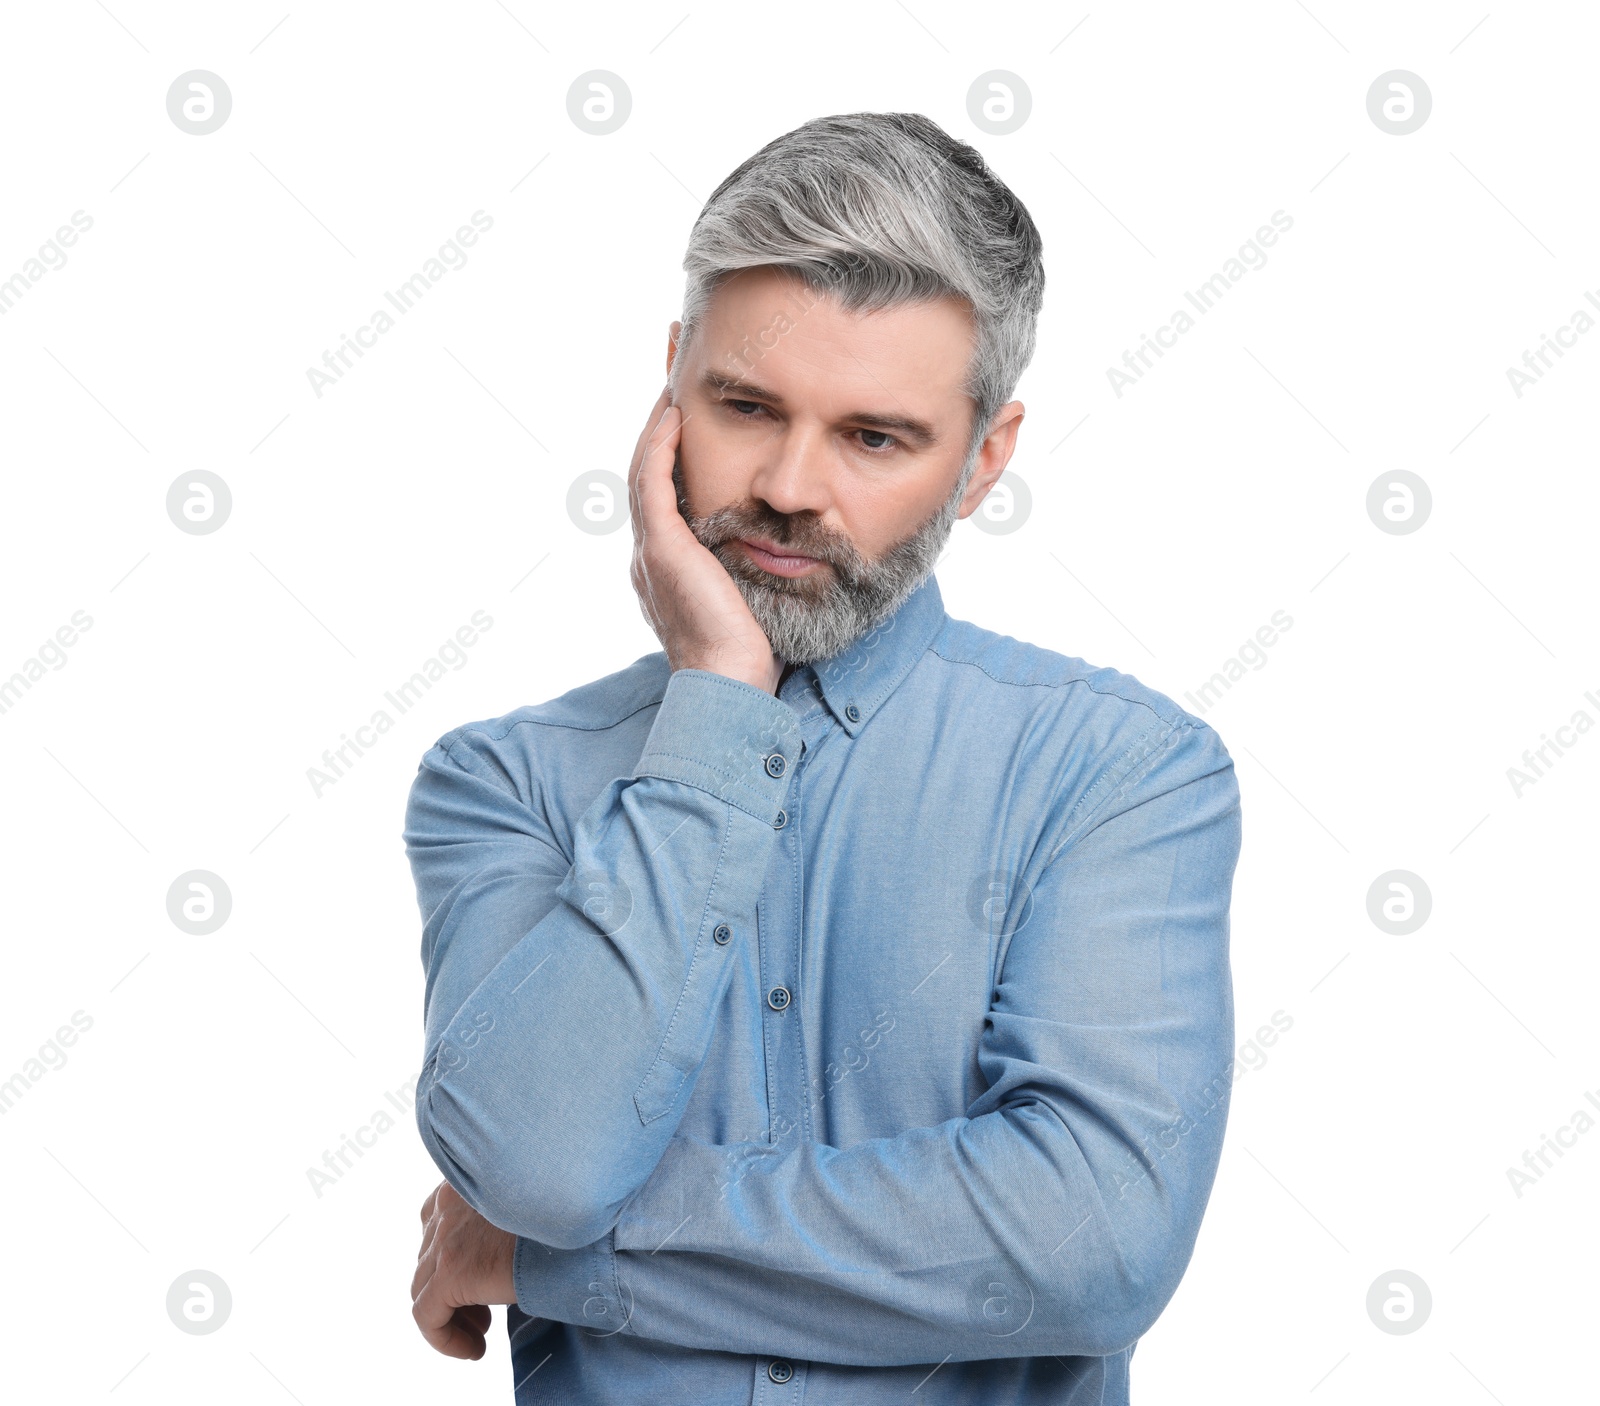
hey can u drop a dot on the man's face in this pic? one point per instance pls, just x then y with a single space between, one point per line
821 452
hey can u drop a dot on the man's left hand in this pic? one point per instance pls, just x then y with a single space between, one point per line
465 1265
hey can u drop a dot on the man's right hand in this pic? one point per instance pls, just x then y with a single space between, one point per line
687 595
465 1264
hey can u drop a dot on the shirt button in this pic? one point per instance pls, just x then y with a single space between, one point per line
853 713
776 765
780 1371
781 821
778 997
721 934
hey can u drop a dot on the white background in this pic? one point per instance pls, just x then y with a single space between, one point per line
1167 526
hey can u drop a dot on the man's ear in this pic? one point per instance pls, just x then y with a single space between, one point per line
993 456
672 344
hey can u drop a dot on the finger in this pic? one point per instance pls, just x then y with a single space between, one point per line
658 505
467 1339
663 440
440 1323
650 422
455 1340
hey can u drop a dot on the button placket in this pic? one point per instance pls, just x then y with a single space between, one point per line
779 952
777 767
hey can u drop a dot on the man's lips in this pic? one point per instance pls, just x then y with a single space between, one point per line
779 560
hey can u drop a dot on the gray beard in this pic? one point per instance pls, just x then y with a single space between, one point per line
806 619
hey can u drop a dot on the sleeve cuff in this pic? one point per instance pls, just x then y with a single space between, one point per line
726 738
570 1286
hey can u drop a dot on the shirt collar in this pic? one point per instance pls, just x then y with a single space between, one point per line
859 679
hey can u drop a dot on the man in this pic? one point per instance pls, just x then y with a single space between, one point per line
835 1003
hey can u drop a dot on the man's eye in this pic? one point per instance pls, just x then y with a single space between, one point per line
740 414
888 441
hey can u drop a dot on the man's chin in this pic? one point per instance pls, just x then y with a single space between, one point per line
802 630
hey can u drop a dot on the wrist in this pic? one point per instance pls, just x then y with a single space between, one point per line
763 675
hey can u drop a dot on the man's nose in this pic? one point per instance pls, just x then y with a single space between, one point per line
795 475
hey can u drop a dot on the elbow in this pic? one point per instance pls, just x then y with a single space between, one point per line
1116 1327
562 1225
548 1197
1107 1312
1109 1325
560 1213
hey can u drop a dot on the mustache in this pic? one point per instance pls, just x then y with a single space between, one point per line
802 532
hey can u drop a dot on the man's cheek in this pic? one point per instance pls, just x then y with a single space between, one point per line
707 499
679 486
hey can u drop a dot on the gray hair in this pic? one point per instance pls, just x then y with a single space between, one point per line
879 209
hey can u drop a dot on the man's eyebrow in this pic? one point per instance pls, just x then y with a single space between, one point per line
919 432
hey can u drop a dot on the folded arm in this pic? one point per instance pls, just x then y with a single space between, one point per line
570 999
1057 1216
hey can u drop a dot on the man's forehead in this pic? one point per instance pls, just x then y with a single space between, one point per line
770 333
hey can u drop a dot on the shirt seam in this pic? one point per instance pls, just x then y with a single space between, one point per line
1183 720
460 734
1121 782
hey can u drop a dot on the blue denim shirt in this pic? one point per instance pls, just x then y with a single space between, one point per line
872 1037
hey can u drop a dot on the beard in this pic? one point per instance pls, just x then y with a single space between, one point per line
816 616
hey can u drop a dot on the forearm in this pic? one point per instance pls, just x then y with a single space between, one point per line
551 1089
979 1238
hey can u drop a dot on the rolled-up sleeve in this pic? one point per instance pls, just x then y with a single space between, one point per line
1058 1215
570 997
